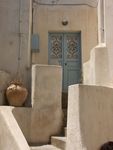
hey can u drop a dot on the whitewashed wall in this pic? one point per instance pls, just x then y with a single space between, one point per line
109 35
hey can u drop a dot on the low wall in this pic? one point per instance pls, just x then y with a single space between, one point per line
96 70
44 119
90 117
15 38
11 137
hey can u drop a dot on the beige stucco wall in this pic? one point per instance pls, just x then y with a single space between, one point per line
48 19
15 29
44 119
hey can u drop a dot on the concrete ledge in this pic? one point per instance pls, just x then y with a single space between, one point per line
90 117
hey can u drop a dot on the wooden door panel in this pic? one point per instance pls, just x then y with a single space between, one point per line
65 50
55 48
72 59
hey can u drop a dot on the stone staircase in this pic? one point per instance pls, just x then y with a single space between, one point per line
57 143
45 147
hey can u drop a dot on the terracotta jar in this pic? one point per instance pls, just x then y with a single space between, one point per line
16 94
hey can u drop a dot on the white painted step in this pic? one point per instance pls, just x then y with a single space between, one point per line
59 142
45 147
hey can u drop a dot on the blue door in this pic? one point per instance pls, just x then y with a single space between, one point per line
65 50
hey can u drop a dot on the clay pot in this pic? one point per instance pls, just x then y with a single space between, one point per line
16 94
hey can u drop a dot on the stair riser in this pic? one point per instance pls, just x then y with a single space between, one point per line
59 143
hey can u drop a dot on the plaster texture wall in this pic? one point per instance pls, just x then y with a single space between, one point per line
11 137
23 117
89 117
99 69
101 21
15 29
45 117
108 35
96 70
49 19
4 80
